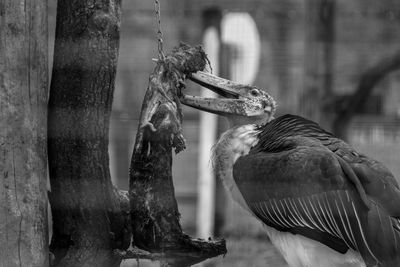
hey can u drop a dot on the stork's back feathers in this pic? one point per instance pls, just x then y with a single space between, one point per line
273 136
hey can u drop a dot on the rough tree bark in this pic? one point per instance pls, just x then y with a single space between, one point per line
368 80
23 96
87 219
155 215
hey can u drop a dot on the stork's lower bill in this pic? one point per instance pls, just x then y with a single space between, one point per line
321 202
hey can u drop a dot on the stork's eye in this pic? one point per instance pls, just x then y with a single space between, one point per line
255 92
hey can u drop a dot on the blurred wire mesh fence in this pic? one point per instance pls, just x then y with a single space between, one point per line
308 54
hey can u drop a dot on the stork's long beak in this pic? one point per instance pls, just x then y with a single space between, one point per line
223 87
236 99
218 106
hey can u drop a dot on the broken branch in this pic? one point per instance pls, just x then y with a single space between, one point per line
154 211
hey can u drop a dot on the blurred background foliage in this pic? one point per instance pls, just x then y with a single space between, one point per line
333 61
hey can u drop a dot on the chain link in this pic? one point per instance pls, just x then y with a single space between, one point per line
157 9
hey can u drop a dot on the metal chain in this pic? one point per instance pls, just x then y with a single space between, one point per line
161 55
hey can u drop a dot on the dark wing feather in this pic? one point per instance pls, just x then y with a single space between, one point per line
294 182
376 180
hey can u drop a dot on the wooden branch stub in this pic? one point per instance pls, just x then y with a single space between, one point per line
154 210
183 258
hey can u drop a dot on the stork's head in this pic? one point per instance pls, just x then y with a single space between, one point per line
240 104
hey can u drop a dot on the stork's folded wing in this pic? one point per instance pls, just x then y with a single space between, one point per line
304 190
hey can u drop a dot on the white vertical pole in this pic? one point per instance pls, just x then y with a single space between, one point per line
208 132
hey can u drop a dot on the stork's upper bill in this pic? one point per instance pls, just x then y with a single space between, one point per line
237 102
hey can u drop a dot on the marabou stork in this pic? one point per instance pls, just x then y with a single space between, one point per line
322 203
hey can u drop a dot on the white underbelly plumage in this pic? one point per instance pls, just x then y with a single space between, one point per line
298 251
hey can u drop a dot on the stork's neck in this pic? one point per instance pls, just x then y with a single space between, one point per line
232 144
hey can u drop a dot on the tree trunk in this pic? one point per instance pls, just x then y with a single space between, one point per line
319 56
23 96
87 219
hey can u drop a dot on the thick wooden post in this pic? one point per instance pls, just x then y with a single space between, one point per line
87 220
23 97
